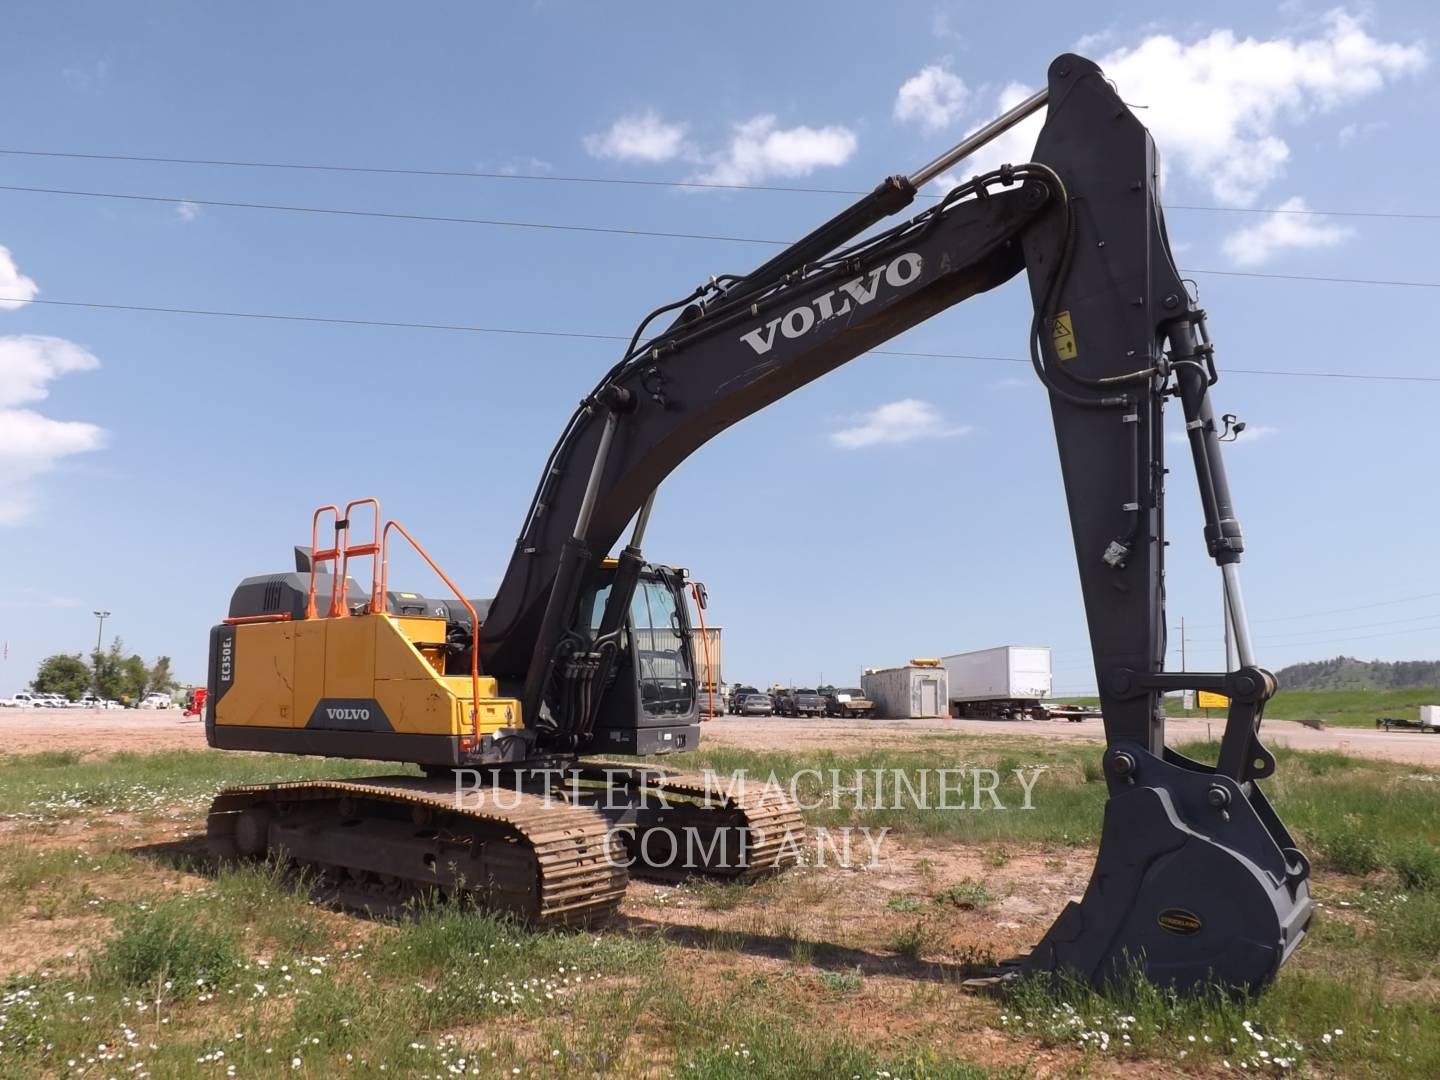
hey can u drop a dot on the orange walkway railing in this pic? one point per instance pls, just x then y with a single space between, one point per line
377 549
317 556
467 742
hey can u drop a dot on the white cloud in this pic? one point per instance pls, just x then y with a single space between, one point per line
638 137
1350 132
32 444
932 98
187 211
942 26
28 362
1288 229
15 288
530 165
1218 105
895 422
759 150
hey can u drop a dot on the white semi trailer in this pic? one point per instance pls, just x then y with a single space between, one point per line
1010 682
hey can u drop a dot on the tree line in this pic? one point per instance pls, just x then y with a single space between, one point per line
109 673
1348 673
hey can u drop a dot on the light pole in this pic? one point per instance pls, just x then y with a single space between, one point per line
102 616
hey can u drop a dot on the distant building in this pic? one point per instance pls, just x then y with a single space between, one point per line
917 690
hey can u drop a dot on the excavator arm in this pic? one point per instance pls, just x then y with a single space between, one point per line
1196 879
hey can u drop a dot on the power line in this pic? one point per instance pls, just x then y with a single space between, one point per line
1313 277
588 336
609 230
477 174
332 320
395 215
463 174
1339 610
1368 626
1354 637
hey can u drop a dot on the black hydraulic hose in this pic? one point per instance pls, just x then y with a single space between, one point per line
1044 310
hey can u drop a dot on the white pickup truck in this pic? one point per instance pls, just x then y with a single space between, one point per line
23 699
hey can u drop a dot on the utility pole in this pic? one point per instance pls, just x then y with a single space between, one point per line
99 632
1182 644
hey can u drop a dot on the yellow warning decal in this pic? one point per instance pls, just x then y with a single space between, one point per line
1062 336
1209 700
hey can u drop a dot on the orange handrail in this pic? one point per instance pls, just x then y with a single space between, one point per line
241 620
317 556
467 742
347 549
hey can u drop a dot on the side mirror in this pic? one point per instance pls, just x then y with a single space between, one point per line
702 598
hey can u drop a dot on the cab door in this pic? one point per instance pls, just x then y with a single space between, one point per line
661 650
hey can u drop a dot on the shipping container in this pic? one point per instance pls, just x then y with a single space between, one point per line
1007 683
908 692
1430 717
707 657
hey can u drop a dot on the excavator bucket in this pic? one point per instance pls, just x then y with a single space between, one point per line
1196 884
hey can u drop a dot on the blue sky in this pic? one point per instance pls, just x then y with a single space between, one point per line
899 507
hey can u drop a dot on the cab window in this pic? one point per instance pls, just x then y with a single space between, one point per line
662 654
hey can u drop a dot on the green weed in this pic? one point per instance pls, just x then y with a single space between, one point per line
842 982
912 941
906 905
169 948
967 895
1348 847
1418 865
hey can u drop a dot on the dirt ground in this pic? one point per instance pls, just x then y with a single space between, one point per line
26 731
905 927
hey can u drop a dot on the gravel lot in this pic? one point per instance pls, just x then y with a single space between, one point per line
853 735
25 731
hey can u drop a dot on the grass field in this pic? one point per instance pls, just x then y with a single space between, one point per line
1343 708
123 954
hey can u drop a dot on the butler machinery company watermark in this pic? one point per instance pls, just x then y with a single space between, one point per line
661 825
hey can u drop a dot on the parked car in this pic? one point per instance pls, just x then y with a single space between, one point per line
156 701
94 701
756 704
710 703
737 695
806 703
780 695
52 701
23 699
847 702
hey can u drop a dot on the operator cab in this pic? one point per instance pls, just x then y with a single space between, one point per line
649 702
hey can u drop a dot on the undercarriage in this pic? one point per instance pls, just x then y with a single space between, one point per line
552 847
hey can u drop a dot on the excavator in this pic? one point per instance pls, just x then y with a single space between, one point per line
1196 880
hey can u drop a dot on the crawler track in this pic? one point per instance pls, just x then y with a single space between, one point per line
379 839
376 842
